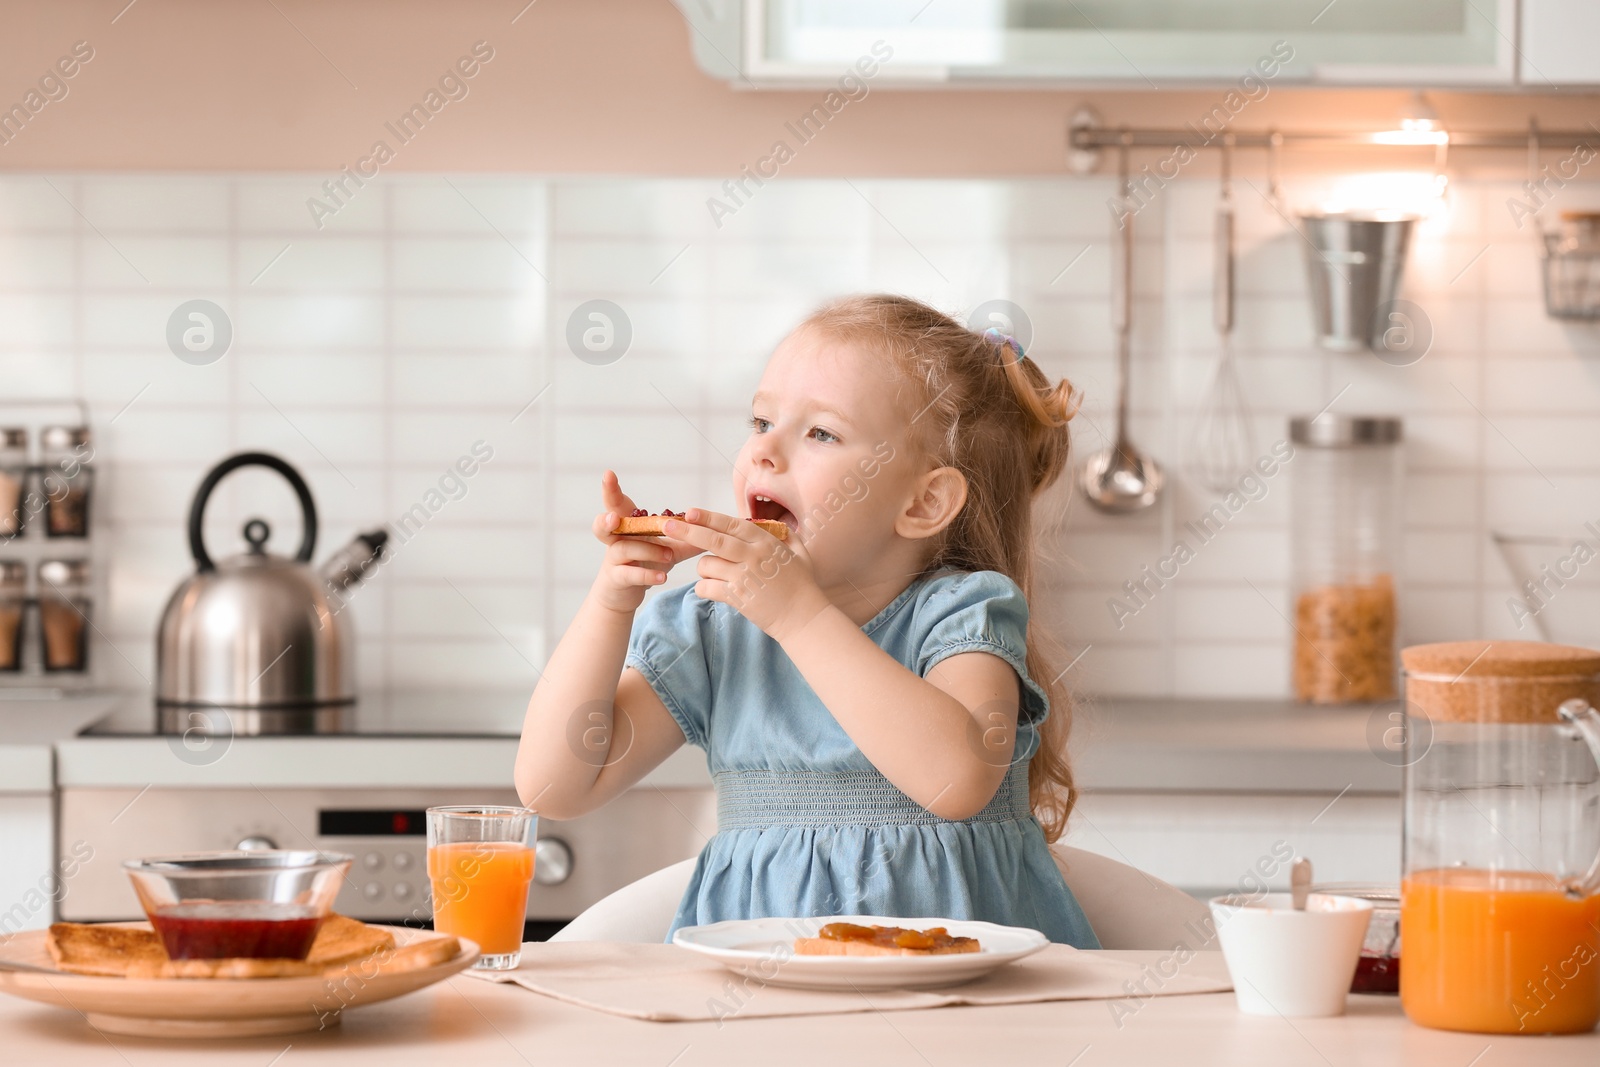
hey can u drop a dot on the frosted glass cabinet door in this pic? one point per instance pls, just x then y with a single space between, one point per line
1395 42
1560 43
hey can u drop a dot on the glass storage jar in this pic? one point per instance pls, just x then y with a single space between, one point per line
1500 893
68 480
13 604
1345 535
64 608
13 479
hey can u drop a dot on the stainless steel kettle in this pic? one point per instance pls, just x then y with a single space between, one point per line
257 643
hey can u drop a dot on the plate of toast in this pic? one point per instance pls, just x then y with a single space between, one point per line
861 952
118 975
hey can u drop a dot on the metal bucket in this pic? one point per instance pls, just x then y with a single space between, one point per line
1353 266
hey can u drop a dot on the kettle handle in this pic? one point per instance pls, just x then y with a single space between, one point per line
197 510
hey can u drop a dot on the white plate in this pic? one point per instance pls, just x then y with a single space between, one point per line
764 949
247 1007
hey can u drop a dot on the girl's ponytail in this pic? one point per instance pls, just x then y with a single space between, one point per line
1006 432
1048 407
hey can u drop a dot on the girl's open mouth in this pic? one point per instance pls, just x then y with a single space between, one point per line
764 506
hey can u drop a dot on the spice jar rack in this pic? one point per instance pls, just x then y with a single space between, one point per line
51 573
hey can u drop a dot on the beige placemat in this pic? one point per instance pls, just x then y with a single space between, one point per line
666 983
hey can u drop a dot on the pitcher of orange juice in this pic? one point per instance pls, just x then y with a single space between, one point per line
1500 899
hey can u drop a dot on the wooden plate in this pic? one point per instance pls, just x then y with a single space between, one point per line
176 1007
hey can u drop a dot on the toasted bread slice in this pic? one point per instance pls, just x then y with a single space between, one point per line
824 946
654 526
97 948
419 955
121 951
233 967
343 940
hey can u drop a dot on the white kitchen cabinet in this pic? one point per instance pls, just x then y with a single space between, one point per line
1560 43
27 841
1213 843
29 729
1141 43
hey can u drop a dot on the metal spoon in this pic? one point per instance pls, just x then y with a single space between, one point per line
1121 479
1300 882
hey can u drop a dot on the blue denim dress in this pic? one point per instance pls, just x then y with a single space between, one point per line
806 825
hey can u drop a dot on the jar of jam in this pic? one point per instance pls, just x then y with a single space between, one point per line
1378 968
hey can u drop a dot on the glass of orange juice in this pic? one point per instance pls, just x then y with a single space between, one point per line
480 863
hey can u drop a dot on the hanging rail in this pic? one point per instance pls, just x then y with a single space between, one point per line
1089 138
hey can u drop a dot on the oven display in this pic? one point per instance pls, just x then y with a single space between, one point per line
369 823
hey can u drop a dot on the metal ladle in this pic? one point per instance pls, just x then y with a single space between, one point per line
1121 479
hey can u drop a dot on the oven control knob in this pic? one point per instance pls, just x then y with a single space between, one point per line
552 861
256 843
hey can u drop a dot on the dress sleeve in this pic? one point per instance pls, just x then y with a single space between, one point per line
983 611
669 645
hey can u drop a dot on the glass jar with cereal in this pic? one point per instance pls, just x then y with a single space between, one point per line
1345 531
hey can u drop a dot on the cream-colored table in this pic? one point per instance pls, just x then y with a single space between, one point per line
471 1023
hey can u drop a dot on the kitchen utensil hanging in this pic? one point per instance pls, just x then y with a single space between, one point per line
1221 445
1353 266
1571 254
1120 479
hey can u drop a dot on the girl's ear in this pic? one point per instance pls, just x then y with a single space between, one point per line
936 500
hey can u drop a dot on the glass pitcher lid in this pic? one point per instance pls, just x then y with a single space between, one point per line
1499 681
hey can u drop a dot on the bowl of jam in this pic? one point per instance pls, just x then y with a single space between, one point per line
1378 969
264 904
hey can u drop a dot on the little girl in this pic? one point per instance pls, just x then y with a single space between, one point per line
872 706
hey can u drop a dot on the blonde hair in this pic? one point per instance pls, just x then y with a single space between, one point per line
994 416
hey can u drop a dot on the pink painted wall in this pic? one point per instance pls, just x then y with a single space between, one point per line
603 86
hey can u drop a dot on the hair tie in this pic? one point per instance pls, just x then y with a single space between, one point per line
994 334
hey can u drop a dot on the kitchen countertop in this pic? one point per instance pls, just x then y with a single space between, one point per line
1251 746
450 740
467 1021
30 728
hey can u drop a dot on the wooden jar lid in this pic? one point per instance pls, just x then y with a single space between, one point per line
1499 681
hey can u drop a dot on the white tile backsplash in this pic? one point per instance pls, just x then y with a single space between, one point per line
374 350
162 203
34 321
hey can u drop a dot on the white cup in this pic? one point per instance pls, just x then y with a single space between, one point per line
1291 963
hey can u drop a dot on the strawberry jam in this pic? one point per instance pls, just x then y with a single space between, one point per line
1376 974
894 936
212 930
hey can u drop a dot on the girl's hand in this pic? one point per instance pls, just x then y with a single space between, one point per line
632 565
762 578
